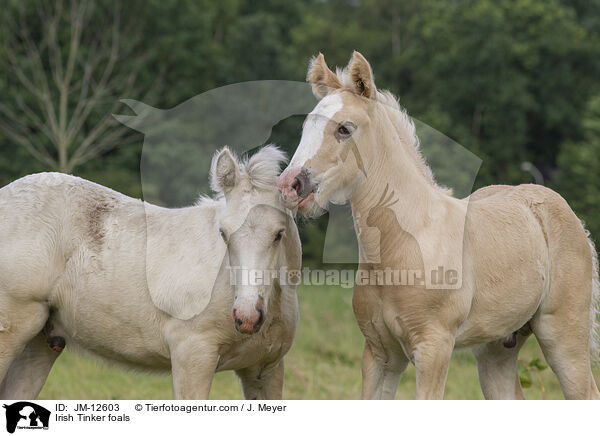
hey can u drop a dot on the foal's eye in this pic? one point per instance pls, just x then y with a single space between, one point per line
343 130
279 235
223 235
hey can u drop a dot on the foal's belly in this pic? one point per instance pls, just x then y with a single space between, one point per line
121 343
501 308
119 325
124 346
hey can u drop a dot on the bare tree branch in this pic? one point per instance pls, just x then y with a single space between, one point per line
39 83
25 140
21 129
32 116
100 89
69 83
121 134
55 57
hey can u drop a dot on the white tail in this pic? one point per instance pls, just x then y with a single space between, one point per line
595 307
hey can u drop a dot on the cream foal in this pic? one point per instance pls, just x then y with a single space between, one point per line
145 286
520 260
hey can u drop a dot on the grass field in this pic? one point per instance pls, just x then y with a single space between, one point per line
324 363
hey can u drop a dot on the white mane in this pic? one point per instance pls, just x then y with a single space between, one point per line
263 168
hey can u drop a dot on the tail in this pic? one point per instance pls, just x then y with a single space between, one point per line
595 307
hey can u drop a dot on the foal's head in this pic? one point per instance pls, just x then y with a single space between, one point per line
253 224
342 138
329 161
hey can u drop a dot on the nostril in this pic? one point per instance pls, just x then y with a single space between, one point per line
238 322
302 184
297 185
259 322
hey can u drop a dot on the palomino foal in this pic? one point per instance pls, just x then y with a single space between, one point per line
520 259
146 286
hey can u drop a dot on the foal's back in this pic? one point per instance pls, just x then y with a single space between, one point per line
45 218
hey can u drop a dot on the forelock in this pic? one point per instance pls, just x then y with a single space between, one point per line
263 168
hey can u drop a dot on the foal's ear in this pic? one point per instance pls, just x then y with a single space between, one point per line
362 76
322 79
224 171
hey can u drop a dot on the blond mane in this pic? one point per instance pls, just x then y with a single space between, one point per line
405 127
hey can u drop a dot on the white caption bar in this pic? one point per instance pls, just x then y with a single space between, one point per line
284 418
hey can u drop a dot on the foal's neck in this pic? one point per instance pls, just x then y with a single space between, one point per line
391 167
392 170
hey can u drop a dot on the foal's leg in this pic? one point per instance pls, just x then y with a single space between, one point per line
562 323
20 322
193 361
273 386
262 383
28 372
381 378
432 359
564 341
497 367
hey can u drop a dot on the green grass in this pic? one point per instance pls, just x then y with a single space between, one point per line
324 363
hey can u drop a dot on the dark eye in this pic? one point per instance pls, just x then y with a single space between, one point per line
223 235
343 130
279 235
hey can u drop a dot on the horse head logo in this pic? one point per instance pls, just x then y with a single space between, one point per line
24 414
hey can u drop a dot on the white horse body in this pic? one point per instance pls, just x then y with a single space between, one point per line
130 282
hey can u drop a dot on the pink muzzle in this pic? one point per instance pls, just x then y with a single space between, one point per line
296 188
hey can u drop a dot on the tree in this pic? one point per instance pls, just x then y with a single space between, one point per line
61 61
508 80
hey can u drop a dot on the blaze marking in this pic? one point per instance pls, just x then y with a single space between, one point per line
314 128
